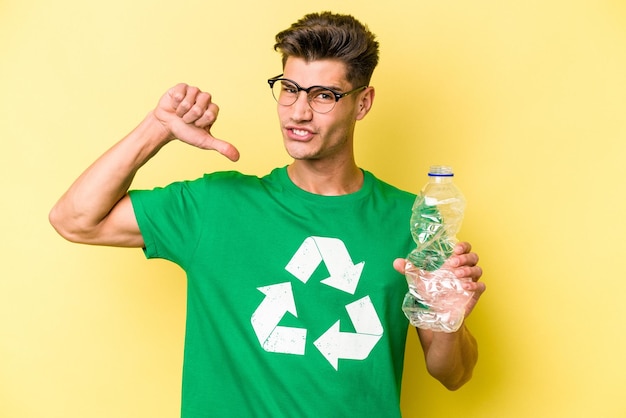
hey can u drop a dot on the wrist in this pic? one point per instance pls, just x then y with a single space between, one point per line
154 131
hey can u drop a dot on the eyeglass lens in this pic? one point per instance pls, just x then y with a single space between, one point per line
320 99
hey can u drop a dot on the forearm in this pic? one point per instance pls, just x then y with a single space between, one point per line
91 198
450 357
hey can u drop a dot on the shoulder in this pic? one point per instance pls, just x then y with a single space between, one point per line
227 179
388 189
205 186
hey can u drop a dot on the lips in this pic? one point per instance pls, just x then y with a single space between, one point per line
299 134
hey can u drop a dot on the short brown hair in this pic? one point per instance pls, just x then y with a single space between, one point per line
328 35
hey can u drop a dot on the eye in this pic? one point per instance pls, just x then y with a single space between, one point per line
289 88
322 96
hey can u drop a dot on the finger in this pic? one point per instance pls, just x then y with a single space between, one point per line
197 109
187 101
177 94
479 289
208 116
469 259
225 148
399 264
476 288
462 248
467 272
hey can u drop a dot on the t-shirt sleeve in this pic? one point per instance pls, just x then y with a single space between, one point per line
170 220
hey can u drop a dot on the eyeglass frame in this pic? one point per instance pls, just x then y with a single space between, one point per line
307 90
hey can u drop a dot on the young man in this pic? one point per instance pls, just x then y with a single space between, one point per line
293 301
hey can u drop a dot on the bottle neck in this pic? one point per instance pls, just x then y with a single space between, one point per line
440 174
441 170
439 179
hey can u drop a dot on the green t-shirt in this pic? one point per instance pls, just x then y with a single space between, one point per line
293 306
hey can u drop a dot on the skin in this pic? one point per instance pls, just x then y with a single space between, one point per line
322 144
96 208
451 357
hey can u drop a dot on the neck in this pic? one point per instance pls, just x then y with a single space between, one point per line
320 179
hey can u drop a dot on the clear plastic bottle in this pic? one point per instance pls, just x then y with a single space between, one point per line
436 299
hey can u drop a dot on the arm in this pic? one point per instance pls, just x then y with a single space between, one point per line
96 208
451 357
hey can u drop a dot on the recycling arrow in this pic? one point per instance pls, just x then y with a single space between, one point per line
344 274
334 344
265 319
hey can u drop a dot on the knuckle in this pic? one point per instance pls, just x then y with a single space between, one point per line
195 111
211 114
184 106
176 95
178 91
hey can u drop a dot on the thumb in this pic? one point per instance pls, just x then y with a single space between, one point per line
399 264
207 141
201 138
225 148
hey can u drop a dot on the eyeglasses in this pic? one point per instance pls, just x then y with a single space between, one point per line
321 99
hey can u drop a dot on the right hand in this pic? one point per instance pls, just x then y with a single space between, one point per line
464 262
187 113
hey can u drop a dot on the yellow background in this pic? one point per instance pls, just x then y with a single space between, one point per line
526 99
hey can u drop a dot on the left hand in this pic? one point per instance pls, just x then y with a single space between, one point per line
465 265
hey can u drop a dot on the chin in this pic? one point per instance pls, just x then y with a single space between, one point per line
299 151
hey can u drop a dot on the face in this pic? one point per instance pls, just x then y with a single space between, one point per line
308 135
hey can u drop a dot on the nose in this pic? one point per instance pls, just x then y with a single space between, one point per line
301 108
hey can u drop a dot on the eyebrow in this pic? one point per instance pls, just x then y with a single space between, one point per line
332 87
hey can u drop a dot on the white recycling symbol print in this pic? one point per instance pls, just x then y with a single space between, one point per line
344 276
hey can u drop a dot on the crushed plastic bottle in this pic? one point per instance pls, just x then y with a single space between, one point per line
436 299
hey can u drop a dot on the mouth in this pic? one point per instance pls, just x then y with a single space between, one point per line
299 133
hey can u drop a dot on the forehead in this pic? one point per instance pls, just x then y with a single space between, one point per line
329 73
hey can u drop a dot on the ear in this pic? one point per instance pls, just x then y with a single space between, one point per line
365 102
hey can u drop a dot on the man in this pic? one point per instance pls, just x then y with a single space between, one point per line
294 308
